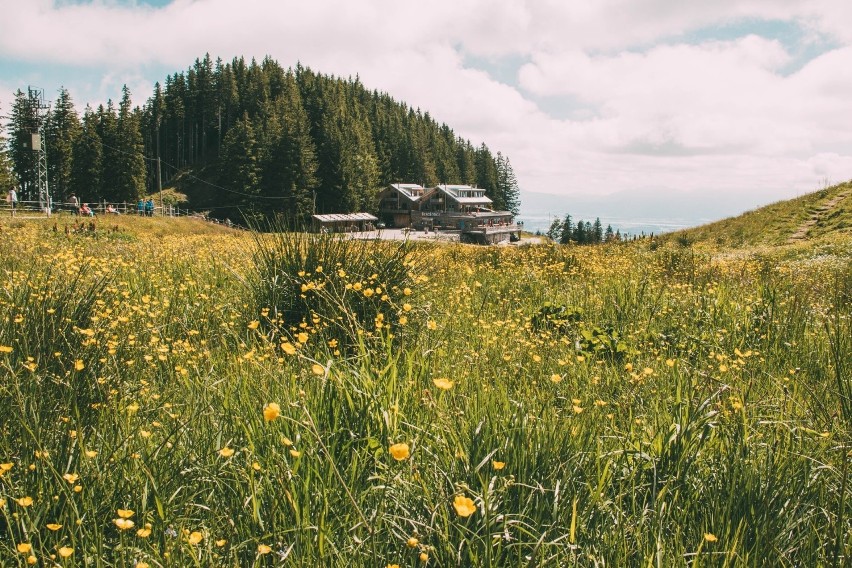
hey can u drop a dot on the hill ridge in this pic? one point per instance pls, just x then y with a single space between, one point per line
818 214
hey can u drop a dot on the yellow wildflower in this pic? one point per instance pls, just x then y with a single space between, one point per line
464 506
271 411
400 451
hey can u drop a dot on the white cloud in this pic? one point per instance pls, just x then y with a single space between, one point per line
660 112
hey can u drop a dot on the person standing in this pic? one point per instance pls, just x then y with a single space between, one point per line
12 198
74 203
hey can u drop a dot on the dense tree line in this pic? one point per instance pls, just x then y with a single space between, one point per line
565 231
254 139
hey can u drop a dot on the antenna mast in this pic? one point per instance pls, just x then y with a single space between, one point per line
40 109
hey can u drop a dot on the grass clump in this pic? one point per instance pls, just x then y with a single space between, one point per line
346 291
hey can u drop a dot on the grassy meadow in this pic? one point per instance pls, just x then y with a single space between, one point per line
177 394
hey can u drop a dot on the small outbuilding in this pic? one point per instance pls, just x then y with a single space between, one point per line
343 222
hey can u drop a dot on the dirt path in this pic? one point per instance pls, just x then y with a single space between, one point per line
804 228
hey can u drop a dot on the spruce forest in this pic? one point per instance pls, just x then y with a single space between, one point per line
249 141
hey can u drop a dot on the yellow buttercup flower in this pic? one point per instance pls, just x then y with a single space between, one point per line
125 513
443 384
271 411
24 547
710 537
317 369
24 501
464 506
79 365
144 532
226 452
288 348
124 524
71 478
555 377
54 526
221 542
263 549
400 451
295 453
65 551
498 465
195 537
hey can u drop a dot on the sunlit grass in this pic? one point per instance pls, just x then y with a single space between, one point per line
162 405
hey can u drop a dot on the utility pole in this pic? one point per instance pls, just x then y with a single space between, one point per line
159 177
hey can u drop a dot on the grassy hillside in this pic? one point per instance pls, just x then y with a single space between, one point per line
811 216
174 394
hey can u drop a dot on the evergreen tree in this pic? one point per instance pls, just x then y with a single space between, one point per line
87 162
554 233
239 170
486 176
507 185
107 131
609 235
597 232
130 164
7 178
22 125
62 129
567 231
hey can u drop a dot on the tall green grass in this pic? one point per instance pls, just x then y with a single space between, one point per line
719 438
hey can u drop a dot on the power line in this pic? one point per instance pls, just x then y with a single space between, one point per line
196 178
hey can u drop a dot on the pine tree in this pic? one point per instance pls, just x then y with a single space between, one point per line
107 131
62 129
239 170
7 178
567 231
507 185
87 162
597 232
554 233
609 235
486 176
22 125
130 165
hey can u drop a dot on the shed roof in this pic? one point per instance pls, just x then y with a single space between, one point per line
337 217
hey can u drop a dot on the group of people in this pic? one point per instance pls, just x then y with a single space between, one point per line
145 208
83 210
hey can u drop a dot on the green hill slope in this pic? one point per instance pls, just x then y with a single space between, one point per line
811 216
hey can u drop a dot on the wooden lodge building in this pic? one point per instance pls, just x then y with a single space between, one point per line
447 207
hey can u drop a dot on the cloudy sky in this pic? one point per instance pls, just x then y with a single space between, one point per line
747 101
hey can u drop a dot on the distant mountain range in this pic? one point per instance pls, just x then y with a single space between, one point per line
668 211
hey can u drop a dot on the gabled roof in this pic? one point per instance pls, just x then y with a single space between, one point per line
409 190
455 191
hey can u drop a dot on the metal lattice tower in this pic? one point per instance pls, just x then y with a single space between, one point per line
40 109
